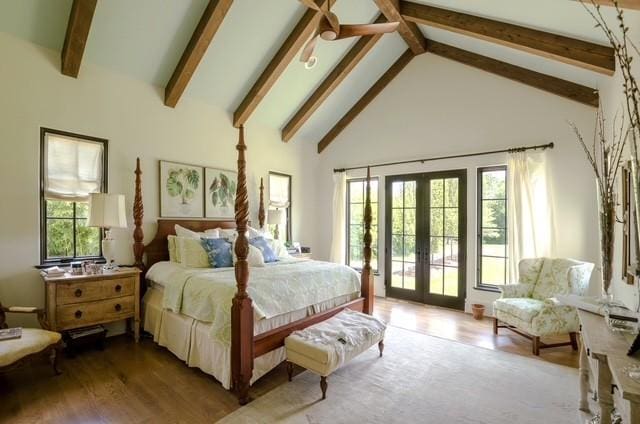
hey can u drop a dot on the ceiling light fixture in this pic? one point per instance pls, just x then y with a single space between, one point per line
311 63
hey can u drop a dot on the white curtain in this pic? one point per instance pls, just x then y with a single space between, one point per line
73 168
529 209
338 238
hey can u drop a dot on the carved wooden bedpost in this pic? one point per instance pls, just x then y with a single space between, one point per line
367 277
138 214
241 309
261 213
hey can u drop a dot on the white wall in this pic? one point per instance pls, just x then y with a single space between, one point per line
131 115
438 107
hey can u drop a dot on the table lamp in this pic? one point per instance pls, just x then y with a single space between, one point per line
107 211
276 217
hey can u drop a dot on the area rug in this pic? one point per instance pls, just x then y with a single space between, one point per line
424 379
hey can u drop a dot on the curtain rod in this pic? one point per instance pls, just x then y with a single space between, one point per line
466 155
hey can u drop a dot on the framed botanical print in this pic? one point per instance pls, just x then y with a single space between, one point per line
220 193
181 190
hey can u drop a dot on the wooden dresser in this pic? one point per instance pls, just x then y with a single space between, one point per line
74 301
603 358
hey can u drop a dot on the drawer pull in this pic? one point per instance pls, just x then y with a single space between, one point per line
78 314
78 292
118 307
118 288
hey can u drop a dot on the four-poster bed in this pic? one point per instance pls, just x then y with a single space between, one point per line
246 344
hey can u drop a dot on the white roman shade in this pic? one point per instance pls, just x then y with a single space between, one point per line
72 167
279 191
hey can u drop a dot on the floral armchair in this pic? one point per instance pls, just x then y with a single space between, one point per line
530 308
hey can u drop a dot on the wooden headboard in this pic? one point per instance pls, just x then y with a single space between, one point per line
158 249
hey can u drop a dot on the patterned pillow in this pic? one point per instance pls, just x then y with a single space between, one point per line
262 245
191 253
219 252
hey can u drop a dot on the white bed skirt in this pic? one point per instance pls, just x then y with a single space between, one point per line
189 339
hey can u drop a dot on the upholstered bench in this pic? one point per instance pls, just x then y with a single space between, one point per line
326 346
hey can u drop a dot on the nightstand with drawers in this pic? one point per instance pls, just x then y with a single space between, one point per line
75 301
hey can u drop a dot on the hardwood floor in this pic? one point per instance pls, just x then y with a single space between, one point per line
129 383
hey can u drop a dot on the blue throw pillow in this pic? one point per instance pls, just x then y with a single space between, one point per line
263 246
219 252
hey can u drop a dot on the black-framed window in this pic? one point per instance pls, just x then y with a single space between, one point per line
355 223
492 226
280 198
71 167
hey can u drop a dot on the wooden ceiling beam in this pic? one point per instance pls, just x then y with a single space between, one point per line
289 49
333 80
624 4
367 98
76 37
209 24
409 31
587 55
557 86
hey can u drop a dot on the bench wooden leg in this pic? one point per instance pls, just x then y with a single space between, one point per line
290 370
574 341
381 347
323 386
536 345
495 326
53 359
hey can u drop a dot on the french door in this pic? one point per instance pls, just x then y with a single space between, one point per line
426 237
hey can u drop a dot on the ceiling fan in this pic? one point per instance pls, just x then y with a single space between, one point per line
329 28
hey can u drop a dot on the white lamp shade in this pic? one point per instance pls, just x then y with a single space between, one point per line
276 217
107 211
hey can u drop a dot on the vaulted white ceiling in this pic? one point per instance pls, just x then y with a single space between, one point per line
145 39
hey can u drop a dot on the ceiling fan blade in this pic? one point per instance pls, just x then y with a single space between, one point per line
311 4
366 29
308 48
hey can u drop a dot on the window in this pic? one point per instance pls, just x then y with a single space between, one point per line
71 167
492 226
355 222
280 198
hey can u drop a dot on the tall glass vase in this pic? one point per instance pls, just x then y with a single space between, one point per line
607 218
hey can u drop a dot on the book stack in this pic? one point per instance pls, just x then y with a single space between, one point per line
10 333
54 271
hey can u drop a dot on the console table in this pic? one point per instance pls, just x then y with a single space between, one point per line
603 357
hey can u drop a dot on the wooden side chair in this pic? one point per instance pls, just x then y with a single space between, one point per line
34 342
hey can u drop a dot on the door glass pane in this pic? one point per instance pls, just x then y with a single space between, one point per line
397 248
450 222
59 209
374 191
357 213
493 270
451 192
396 221
451 249
493 184
396 274
493 213
409 276
450 281
436 251
410 221
82 210
436 221
435 279
356 234
494 243
437 195
410 194
357 254
410 248
397 194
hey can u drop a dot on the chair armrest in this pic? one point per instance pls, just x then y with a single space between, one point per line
22 309
42 318
515 290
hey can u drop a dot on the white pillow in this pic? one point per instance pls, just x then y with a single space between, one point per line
192 254
185 232
254 232
254 258
212 233
279 248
